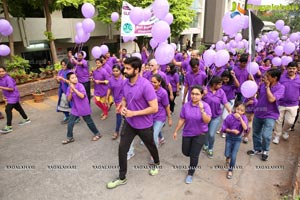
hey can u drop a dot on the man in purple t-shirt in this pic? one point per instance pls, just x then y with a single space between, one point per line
289 104
138 104
266 113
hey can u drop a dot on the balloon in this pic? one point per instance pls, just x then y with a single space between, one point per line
147 14
4 24
76 39
276 61
169 18
254 2
233 44
85 37
88 25
4 50
8 31
160 8
174 46
96 52
78 26
284 37
278 50
104 49
82 36
252 68
246 22
289 48
285 60
128 38
249 89
138 55
225 38
136 15
285 30
161 31
88 10
164 54
238 37
265 38
221 58
209 57
294 37
274 35
153 43
256 41
114 16
240 45
220 45
279 24
232 25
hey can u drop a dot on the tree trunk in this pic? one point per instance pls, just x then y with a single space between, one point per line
11 36
48 29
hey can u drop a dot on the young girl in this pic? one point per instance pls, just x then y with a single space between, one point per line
233 126
194 118
80 108
115 87
250 104
173 77
11 93
62 104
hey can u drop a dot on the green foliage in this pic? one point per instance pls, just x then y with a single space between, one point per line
38 91
202 48
57 66
17 63
49 36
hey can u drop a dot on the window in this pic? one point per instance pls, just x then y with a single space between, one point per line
72 12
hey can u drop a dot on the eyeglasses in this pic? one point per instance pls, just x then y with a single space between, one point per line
195 94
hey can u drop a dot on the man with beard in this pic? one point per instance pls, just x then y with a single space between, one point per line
289 104
138 104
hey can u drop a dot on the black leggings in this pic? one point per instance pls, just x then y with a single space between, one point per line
191 147
87 86
8 111
172 103
127 135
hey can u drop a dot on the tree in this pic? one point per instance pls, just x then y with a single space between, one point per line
295 16
183 14
10 37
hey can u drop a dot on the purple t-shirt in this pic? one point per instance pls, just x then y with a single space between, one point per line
241 75
192 79
215 100
108 68
250 107
137 97
178 57
264 109
111 61
174 79
144 57
231 122
163 68
163 102
80 107
11 96
63 85
194 124
148 75
229 90
82 72
116 86
292 90
218 71
101 74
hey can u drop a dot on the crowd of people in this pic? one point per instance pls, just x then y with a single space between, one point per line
144 94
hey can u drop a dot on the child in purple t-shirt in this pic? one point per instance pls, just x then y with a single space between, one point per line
233 126
80 108
12 95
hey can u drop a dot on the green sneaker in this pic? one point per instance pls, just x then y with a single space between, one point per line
24 121
153 171
116 183
204 148
6 129
210 154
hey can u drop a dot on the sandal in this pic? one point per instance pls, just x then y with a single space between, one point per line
104 117
227 162
96 137
67 141
115 136
229 175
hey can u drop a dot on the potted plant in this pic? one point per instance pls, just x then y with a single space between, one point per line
38 95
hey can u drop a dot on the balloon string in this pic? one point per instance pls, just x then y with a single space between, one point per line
213 70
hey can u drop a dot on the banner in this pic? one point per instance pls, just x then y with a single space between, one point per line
129 29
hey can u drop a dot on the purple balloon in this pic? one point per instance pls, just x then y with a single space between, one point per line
147 14
4 50
238 37
136 15
209 57
173 45
225 38
4 24
96 52
265 38
127 38
88 25
285 60
246 22
76 39
114 16
252 68
289 47
279 50
279 24
138 55
294 37
169 18
276 61
161 31
249 89
233 44
164 54
285 30
104 49
78 26
232 25
220 45
160 8
240 45
221 58
88 10
153 43
83 36
254 2
274 35
8 31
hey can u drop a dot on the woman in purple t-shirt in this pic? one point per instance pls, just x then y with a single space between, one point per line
194 118
173 77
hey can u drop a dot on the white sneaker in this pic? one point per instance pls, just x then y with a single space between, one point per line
129 156
285 135
223 135
276 140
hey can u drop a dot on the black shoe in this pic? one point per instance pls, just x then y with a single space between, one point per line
253 152
265 156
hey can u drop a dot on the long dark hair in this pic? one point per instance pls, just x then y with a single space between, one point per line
161 80
173 69
227 74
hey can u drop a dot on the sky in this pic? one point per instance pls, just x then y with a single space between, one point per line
275 2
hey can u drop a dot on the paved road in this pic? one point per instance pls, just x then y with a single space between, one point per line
80 170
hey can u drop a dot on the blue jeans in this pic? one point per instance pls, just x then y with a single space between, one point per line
232 146
262 133
157 126
212 129
89 122
118 122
